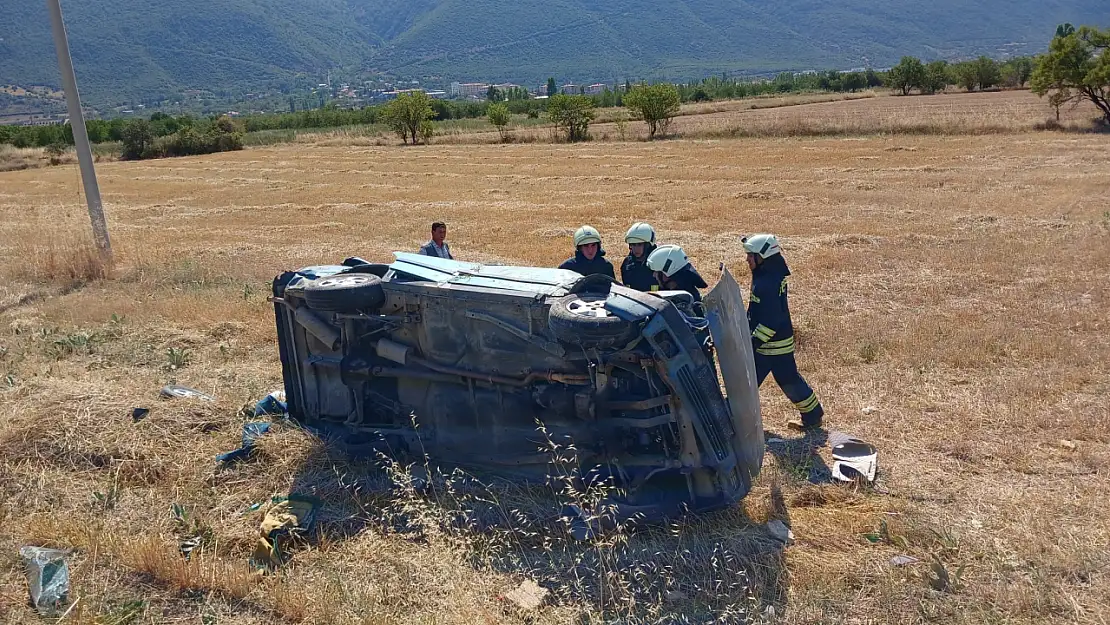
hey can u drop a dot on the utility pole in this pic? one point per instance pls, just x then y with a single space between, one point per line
80 134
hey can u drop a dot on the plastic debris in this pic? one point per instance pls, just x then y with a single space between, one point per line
1068 445
578 523
289 519
47 578
272 404
869 410
780 531
138 414
852 458
528 596
903 560
174 391
251 433
675 596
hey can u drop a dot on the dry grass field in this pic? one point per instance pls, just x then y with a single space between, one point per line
956 284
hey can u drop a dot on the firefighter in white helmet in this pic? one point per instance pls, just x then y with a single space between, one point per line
772 330
635 273
589 258
674 272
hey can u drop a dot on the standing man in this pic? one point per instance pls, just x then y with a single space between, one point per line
673 271
588 257
438 245
772 330
634 270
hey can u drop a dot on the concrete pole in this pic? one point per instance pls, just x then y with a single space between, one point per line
80 134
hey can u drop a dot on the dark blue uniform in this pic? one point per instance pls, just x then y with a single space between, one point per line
586 267
635 273
773 337
688 279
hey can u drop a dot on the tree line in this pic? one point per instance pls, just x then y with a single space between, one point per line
1076 68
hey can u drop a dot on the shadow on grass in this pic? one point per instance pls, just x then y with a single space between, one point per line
696 568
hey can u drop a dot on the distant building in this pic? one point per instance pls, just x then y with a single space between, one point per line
468 89
569 89
594 89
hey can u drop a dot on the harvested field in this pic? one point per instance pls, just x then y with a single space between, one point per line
953 286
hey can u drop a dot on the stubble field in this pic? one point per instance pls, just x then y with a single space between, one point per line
954 286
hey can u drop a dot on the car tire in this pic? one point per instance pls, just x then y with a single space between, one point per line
345 292
581 319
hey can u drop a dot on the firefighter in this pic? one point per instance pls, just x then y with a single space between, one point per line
772 330
673 271
634 270
589 258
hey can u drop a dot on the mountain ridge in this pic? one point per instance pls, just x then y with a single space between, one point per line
138 48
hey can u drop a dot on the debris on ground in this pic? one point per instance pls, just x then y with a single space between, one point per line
47 578
869 410
289 519
675 596
903 560
853 459
780 532
174 391
579 524
272 404
251 433
1068 445
528 596
138 414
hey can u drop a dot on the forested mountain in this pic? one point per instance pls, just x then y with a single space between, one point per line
133 48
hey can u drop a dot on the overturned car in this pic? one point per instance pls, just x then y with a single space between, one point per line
484 367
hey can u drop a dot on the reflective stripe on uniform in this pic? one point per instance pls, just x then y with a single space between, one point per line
808 404
763 333
777 348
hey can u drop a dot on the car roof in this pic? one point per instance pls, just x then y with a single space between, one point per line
539 280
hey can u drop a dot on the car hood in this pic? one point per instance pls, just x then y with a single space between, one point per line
728 324
538 280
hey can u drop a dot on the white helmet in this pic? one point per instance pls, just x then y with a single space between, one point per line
762 245
640 232
667 259
586 234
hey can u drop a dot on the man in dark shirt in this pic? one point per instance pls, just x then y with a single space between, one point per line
634 270
588 257
437 246
773 331
674 272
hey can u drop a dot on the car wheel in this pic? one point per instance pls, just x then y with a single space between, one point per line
345 293
581 319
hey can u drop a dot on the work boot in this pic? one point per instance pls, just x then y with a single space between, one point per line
804 426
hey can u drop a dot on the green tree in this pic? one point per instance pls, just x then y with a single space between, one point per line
405 114
873 79
854 81
498 115
1016 72
655 104
908 74
571 115
936 77
552 88
1076 68
987 73
493 94
965 75
137 139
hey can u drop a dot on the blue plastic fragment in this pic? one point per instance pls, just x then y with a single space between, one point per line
272 404
251 432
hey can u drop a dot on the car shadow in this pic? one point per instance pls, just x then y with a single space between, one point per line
798 456
700 566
